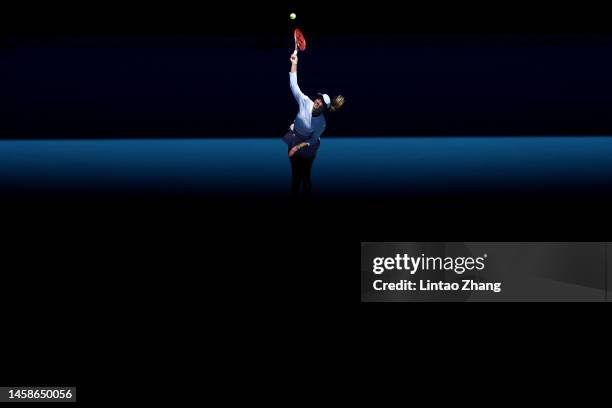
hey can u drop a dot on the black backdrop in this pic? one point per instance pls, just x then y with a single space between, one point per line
141 70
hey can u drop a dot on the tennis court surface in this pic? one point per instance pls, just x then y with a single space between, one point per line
376 166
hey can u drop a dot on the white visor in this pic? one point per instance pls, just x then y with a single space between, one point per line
326 99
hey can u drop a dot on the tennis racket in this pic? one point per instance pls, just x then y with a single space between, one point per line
300 41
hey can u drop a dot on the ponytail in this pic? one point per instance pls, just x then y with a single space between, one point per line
337 103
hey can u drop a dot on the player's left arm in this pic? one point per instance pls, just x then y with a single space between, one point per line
295 148
313 139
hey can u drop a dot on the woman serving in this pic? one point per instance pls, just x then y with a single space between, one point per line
304 136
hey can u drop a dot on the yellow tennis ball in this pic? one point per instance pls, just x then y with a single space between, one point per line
292 16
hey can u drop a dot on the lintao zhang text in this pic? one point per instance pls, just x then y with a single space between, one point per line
412 265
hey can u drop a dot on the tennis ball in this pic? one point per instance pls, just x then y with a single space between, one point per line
292 16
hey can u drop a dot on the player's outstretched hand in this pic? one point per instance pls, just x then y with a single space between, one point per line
294 58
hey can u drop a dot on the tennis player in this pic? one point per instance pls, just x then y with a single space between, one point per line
304 136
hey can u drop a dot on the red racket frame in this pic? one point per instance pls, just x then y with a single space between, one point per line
300 41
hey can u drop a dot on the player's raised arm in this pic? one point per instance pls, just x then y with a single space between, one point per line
294 62
293 84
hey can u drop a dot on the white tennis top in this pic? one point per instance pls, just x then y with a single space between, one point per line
309 126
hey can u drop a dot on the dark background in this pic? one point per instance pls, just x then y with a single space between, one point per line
129 290
140 70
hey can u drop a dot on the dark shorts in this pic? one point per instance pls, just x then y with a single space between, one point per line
293 138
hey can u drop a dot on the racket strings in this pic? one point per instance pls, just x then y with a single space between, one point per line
300 41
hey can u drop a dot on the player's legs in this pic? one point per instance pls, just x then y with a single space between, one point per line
306 175
296 174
